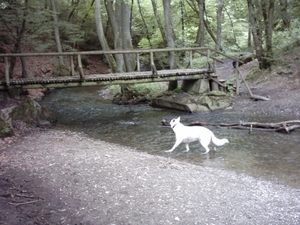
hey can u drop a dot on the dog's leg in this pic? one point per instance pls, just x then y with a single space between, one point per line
205 145
187 147
178 142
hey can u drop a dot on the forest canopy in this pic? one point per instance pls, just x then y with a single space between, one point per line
233 26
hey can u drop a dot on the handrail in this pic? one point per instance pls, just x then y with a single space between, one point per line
131 51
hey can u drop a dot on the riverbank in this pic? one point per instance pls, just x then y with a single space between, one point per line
62 177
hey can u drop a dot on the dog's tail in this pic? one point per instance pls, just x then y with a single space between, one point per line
218 142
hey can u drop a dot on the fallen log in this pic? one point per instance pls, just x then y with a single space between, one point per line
283 127
243 59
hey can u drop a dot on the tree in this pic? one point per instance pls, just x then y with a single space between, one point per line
144 23
170 39
200 33
14 17
261 18
283 8
219 25
56 33
101 36
119 19
159 23
126 35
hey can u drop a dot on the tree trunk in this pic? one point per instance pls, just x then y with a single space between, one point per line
286 19
20 29
182 23
120 22
100 33
170 39
148 36
56 33
261 17
87 13
255 33
130 62
268 15
206 23
114 19
159 23
219 25
200 33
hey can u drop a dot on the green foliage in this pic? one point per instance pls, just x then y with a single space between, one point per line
229 86
287 39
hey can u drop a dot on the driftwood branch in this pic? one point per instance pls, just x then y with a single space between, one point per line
284 127
22 203
252 96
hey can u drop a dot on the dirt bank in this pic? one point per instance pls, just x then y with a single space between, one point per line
60 177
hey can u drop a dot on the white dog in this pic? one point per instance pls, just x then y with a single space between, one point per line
188 134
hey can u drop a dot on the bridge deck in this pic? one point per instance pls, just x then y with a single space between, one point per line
105 79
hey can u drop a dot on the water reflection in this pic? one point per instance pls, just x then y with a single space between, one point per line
269 155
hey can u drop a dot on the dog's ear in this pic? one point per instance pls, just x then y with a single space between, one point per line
178 118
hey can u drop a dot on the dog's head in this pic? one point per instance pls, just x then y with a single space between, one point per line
174 122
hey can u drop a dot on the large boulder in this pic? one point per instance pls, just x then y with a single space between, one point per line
215 100
183 101
33 113
30 112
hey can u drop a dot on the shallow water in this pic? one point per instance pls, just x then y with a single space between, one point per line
267 155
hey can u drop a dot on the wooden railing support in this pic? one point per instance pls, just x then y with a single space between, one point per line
80 67
153 67
72 66
191 59
138 62
237 78
6 71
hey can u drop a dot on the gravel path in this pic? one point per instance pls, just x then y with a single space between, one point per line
61 177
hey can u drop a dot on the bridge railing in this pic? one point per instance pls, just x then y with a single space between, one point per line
203 51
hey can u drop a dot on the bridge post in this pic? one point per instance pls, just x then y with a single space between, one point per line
191 59
80 67
72 66
214 84
138 62
6 71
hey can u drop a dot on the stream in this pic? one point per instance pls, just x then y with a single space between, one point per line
267 155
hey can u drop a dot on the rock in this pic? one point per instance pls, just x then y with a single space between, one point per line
215 100
30 112
5 129
192 103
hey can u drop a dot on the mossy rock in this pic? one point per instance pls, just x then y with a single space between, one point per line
32 112
5 129
192 103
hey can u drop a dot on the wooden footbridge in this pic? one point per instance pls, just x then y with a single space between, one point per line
80 79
